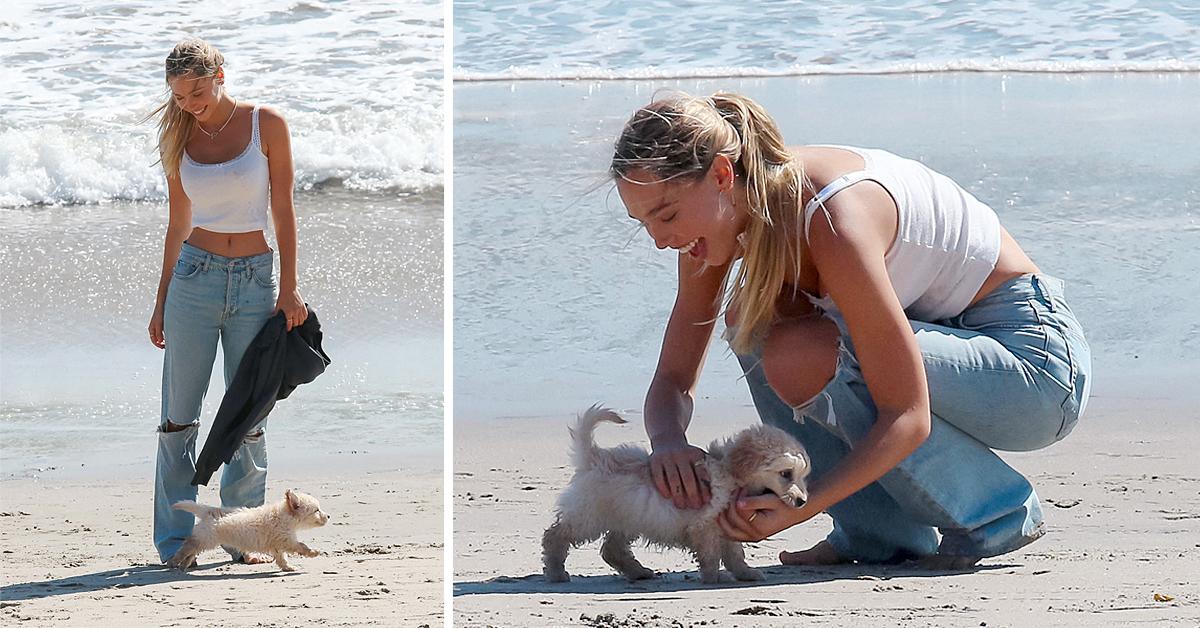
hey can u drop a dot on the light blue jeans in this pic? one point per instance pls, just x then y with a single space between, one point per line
210 298
1012 372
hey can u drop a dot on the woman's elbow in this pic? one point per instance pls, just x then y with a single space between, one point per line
920 425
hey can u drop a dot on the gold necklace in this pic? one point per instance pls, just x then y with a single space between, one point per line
213 136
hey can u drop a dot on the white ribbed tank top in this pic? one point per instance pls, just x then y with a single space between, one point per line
947 241
232 196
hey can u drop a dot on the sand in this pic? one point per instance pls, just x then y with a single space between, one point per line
77 551
1122 501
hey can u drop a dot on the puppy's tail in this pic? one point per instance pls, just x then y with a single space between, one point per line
584 452
200 510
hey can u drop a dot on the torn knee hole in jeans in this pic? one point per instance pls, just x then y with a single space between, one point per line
254 436
810 408
170 427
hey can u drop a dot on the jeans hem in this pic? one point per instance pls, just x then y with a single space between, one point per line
953 545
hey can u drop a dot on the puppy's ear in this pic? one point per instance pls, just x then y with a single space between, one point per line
744 460
292 501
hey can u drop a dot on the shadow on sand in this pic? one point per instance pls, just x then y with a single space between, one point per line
690 581
137 576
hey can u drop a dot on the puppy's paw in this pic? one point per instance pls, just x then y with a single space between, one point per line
639 573
182 561
308 551
711 577
559 575
748 575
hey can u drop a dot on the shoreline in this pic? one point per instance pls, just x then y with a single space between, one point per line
331 187
750 74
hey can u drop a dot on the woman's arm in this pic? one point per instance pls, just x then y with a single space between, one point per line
179 225
277 143
669 401
849 255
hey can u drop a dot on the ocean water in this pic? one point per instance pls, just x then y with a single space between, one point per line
359 83
545 39
83 215
81 383
1075 121
560 299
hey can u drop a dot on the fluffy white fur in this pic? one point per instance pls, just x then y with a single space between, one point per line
268 529
612 495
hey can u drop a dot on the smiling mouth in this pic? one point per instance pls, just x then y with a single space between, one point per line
687 248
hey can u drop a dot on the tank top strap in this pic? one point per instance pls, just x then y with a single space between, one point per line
255 140
827 192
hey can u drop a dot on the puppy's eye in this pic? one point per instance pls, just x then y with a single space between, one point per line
787 475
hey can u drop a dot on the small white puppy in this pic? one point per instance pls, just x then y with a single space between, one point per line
612 494
268 529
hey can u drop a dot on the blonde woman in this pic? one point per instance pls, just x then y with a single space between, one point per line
228 164
881 314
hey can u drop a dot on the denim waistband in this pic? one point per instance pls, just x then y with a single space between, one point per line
200 256
1028 285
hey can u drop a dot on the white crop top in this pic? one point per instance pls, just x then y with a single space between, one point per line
947 241
232 196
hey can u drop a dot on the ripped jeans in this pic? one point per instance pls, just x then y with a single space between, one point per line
1012 372
210 298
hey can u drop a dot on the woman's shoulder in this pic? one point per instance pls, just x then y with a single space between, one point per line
822 164
271 123
267 114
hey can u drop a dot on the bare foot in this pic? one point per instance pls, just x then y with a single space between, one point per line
255 559
820 554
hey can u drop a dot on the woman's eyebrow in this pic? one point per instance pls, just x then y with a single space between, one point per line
657 208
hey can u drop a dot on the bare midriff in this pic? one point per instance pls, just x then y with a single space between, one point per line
229 244
1012 262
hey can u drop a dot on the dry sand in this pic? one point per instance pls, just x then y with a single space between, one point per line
1122 501
77 551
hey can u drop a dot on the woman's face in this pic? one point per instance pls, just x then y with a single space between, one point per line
696 217
196 95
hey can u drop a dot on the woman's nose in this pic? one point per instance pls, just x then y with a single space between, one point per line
660 239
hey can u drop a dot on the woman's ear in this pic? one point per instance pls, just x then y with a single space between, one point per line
722 172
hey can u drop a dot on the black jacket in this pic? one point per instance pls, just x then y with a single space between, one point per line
275 363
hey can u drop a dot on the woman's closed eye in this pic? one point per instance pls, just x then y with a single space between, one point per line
670 218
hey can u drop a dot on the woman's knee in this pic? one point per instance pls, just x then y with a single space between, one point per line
800 357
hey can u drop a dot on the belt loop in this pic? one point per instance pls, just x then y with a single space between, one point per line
1040 284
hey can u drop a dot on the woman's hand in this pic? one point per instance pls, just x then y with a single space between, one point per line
156 328
680 475
751 519
292 305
